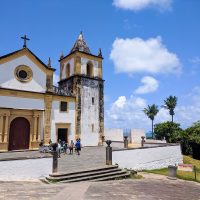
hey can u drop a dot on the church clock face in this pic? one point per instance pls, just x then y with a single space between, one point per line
23 73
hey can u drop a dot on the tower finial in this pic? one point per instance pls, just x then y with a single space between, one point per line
49 62
100 53
62 55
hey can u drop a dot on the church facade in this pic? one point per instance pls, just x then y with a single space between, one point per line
33 109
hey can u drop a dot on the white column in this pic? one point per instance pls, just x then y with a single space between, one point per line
39 127
1 128
34 128
6 129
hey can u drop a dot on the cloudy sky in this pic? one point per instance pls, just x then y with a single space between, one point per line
151 49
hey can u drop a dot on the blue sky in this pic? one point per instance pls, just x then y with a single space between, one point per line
151 49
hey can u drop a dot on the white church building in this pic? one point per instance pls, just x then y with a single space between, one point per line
33 109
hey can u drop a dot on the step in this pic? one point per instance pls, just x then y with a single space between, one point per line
84 171
88 178
80 175
126 175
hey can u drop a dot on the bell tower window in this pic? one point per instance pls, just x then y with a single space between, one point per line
89 69
68 70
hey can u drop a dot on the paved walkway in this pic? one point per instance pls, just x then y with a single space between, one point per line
153 187
90 157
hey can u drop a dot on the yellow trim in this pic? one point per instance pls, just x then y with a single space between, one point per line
30 56
33 95
11 114
63 125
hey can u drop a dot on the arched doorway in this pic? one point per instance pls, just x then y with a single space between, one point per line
19 134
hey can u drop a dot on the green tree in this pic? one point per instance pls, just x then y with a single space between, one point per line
193 139
163 130
151 111
170 104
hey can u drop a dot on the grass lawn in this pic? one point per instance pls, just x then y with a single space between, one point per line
182 174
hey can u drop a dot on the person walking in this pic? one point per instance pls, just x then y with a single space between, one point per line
78 146
71 146
59 148
65 146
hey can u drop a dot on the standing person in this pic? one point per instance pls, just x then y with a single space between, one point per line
78 146
59 148
71 146
65 147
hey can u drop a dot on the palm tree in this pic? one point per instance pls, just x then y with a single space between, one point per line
151 111
170 104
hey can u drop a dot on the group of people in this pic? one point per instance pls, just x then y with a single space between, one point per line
63 147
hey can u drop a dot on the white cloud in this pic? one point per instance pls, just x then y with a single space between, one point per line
56 79
150 84
195 60
137 5
126 112
131 114
138 56
121 101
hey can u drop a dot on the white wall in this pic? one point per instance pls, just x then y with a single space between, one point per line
136 135
115 134
89 139
148 158
89 115
8 80
21 103
84 62
63 117
25 170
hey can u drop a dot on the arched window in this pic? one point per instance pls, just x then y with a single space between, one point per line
89 69
68 70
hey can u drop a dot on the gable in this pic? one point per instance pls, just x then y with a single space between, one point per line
9 73
31 55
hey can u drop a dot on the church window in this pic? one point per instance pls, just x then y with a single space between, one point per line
23 73
63 106
92 100
89 69
92 128
68 70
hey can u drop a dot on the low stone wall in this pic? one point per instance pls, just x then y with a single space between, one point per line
136 135
148 158
28 169
116 144
114 134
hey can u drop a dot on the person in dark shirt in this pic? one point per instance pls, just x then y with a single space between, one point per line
78 146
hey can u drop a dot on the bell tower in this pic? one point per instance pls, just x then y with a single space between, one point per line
81 74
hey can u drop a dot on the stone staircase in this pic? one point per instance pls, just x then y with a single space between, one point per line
95 174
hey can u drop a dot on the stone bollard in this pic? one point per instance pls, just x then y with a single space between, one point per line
55 157
126 142
108 153
172 172
142 141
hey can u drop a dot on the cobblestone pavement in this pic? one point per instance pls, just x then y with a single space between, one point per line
90 157
19 155
150 188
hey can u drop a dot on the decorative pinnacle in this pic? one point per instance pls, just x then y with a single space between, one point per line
49 62
62 55
100 53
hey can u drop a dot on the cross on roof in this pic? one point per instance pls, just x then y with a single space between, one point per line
24 38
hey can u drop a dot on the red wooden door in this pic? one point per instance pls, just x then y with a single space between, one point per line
19 134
